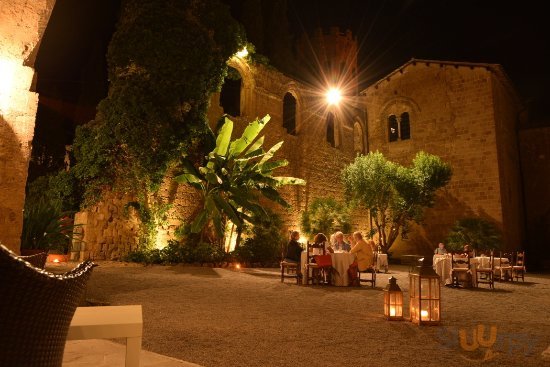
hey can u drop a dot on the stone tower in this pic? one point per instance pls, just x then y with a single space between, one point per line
334 55
22 24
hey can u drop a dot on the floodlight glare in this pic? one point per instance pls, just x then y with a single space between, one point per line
242 53
333 96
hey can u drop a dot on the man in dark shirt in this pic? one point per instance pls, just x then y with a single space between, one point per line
294 249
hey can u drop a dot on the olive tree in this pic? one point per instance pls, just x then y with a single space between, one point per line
393 194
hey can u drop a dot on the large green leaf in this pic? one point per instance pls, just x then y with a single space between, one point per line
217 220
227 209
273 195
250 133
188 167
271 152
289 181
200 221
224 137
187 178
268 167
257 145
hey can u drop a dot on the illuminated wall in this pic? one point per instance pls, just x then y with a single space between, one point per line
22 24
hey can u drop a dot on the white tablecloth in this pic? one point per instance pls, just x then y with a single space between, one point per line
340 263
382 262
442 266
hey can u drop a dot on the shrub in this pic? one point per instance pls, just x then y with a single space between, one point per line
264 243
176 252
478 232
326 215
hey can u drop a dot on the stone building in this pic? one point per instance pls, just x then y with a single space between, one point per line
22 24
464 112
318 142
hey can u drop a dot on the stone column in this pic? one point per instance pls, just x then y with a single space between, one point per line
22 24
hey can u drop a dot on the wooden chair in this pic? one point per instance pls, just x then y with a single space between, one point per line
36 310
371 280
460 270
290 270
518 268
484 274
317 272
503 271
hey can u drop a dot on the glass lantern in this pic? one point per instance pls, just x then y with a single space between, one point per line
393 301
424 295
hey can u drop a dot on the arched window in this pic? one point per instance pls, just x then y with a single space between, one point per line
393 133
358 142
330 129
405 126
289 113
230 95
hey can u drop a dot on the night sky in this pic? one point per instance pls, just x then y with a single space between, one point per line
71 60
513 34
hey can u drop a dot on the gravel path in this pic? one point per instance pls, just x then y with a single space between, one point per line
222 317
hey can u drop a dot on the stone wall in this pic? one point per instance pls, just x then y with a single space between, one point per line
506 109
22 24
535 164
464 113
311 157
453 114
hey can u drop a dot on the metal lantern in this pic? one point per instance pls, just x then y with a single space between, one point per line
425 299
393 301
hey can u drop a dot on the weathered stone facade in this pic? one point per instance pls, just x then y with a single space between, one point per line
535 167
22 25
311 158
466 114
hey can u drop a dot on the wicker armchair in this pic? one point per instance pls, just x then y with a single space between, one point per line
36 309
36 260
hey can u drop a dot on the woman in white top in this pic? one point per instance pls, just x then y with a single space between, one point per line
338 244
440 250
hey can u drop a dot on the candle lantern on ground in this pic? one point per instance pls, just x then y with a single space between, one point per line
393 301
424 295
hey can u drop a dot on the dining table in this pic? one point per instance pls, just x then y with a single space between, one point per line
442 266
381 262
340 265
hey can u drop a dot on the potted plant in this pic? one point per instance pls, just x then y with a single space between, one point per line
45 229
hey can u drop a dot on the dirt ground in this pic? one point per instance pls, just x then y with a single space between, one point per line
227 317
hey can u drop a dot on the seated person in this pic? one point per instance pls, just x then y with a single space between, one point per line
339 244
373 245
363 250
321 238
440 250
294 250
467 250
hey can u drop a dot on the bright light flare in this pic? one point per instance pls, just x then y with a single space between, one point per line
333 96
242 53
238 266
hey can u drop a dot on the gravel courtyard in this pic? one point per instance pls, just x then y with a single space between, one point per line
224 317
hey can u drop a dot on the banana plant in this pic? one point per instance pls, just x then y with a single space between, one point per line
234 177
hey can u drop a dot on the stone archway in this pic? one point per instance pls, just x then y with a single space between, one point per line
22 24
